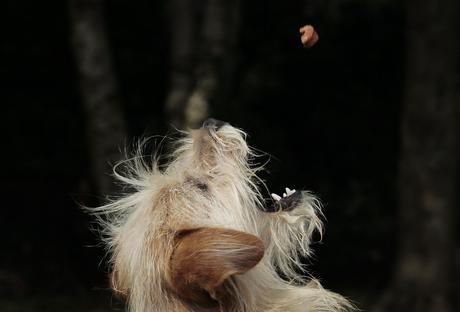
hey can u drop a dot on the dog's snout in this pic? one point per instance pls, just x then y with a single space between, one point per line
214 123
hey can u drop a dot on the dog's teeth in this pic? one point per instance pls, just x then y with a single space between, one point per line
284 195
288 190
276 197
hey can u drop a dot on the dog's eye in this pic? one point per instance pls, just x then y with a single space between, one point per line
202 186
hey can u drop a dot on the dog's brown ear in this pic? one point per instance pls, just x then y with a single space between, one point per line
205 258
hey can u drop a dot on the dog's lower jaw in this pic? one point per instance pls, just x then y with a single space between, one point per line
290 232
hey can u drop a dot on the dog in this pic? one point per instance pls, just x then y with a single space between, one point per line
195 235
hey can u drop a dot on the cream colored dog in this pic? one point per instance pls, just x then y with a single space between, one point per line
196 236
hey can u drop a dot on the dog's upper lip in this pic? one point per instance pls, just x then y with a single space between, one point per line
214 123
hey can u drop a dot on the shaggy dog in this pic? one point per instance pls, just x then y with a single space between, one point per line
195 235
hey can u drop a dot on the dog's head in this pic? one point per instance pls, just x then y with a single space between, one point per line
209 181
192 225
192 237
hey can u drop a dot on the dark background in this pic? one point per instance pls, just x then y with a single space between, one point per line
330 116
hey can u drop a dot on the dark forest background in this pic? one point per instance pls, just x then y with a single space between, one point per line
366 119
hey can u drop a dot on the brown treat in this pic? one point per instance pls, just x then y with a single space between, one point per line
309 36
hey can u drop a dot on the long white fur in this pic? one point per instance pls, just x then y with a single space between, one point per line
139 227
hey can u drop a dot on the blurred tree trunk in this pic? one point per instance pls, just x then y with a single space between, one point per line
183 27
105 123
429 164
216 63
203 57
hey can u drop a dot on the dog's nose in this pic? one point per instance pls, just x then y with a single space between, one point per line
214 123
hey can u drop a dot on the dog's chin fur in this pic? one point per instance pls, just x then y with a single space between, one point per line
209 183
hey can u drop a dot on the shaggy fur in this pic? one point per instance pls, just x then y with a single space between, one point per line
210 184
